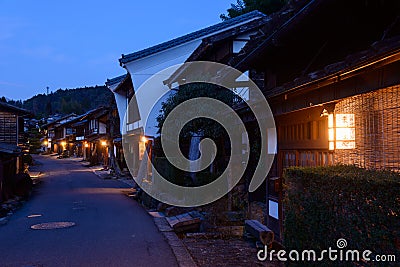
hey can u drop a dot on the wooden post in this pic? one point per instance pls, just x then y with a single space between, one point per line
259 231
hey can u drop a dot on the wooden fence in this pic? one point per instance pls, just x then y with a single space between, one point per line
377 129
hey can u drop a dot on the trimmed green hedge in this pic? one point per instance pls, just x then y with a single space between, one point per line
324 204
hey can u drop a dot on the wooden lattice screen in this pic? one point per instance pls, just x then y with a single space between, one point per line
377 129
8 128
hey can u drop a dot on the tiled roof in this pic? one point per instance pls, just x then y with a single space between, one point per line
101 113
229 34
9 148
71 121
286 18
115 80
60 119
8 107
91 113
378 51
210 42
191 36
95 113
79 123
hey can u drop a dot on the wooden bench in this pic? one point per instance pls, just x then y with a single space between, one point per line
187 222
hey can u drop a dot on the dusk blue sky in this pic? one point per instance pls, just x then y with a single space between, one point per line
69 44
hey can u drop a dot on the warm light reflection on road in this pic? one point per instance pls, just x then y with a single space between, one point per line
101 191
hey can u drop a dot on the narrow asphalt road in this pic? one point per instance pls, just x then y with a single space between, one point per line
110 230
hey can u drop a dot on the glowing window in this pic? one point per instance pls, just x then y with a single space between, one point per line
345 131
341 131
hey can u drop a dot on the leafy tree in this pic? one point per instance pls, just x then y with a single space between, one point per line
65 108
245 6
66 101
3 99
49 109
207 128
194 90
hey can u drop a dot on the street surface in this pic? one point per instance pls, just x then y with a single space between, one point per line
110 230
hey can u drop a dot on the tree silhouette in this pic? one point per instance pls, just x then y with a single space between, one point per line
245 6
49 109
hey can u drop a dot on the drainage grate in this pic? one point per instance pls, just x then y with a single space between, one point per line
52 225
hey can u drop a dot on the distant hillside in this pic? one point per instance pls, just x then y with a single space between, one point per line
67 101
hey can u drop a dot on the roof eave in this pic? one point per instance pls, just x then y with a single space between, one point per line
189 37
381 59
268 41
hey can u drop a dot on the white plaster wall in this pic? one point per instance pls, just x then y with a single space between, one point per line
102 128
122 104
141 70
240 41
144 68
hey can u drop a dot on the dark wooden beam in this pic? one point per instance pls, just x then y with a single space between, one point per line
336 88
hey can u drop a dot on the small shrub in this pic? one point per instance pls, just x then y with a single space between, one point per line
27 159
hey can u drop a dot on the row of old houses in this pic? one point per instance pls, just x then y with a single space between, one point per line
328 68
93 136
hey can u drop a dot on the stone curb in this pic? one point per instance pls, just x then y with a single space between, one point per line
104 175
14 205
180 251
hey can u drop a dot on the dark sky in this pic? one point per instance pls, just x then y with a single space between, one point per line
69 44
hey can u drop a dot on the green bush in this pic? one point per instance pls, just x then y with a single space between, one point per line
325 204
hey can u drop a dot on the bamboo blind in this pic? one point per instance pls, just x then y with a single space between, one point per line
377 129
8 128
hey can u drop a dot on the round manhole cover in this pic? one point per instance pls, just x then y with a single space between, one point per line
52 225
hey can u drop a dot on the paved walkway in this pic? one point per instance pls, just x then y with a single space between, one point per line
110 230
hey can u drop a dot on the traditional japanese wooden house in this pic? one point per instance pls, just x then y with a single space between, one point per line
122 88
11 130
221 48
92 135
329 69
11 123
143 64
56 132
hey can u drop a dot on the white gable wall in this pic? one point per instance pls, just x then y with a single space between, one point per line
122 103
102 128
144 68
